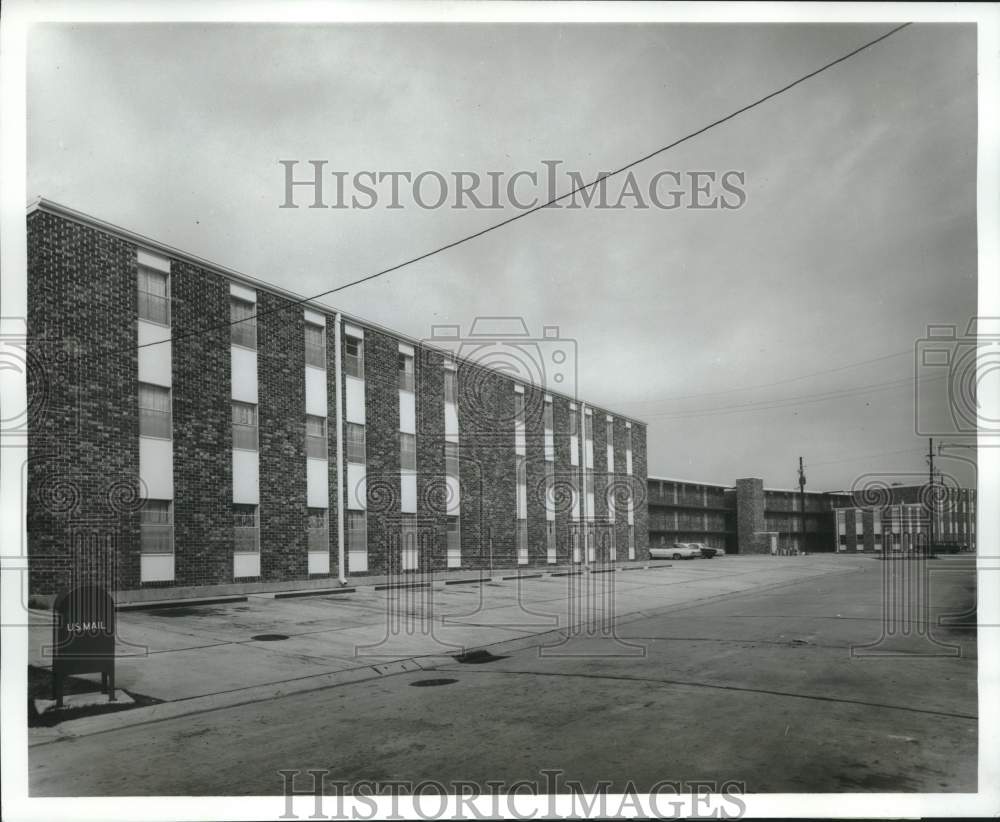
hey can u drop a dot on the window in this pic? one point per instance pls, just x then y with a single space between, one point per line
315 345
628 449
550 541
631 542
407 452
246 532
522 542
316 437
547 420
354 357
451 459
454 537
588 426
450 386
357 532
405 372
609 434
154 411
245 426
355 443
550 485
156 527
243 316
317 530
408 541
154 296
521 470
574 422
519 407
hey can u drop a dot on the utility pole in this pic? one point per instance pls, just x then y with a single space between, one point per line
930 493
802 502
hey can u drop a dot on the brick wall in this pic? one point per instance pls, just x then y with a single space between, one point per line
281 397
203 432
83 449
83 460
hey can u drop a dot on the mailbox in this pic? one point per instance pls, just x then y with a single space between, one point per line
83 638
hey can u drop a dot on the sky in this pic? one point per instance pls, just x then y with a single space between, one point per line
744 337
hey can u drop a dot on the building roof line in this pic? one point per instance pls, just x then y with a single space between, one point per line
58 209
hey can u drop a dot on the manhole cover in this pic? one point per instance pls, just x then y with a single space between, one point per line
477 658
269 637
431 683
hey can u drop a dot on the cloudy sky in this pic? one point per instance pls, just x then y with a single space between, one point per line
744 337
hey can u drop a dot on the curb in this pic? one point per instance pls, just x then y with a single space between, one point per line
88 726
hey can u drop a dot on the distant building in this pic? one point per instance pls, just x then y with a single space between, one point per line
902 517
744 518
747 518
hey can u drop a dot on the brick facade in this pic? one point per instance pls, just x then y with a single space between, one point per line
83 473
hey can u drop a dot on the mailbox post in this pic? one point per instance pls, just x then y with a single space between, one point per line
83 638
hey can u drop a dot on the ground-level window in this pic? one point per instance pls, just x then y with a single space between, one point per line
522 542
317 529
357 541
631 542
246 529
154 411
316 437
156 527
409 553
454 538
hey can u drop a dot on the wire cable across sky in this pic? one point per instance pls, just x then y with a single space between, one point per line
520 215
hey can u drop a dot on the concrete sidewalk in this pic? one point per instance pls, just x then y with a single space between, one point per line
197 657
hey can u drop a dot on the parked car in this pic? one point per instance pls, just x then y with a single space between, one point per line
679 550
707 551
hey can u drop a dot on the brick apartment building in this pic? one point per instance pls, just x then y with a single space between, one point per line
747 518
194 429
901 518
744 518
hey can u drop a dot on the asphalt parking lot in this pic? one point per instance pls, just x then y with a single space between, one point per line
784 681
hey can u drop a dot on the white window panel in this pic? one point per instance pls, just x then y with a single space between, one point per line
454 542
156 467
154 360
242 292
156 568
244 382
450 422
246 564
319 562
152 260
407 412
246 488
354 405
356 487
408 492
574 450
315 391
317 483
454 503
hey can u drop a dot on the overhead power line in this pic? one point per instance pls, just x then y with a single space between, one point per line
785 402
777 382
556 199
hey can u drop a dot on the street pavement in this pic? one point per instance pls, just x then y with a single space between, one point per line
780 674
